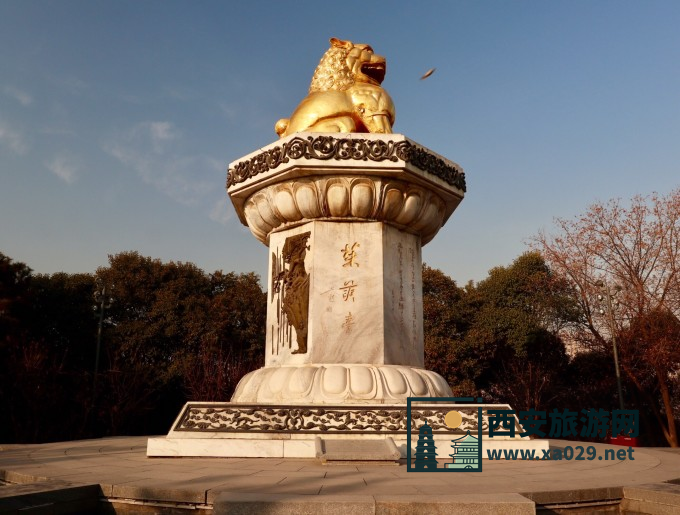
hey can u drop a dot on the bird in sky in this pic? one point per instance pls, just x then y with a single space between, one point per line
428 73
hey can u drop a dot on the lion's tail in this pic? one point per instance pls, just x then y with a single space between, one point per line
281 126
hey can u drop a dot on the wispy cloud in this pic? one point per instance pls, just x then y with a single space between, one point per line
12 139
160 133
221 211
153 151
20 96
65 167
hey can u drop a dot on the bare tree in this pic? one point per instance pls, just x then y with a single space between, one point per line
632 250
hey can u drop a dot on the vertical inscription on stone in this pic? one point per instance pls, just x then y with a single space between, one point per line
414 325
400 253
348 323
290 281
350 260
349 255
348 290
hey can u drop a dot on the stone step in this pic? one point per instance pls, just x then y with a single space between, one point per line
651 499
382 450
51 497
360 504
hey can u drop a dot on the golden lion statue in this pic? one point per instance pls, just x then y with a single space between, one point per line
345 94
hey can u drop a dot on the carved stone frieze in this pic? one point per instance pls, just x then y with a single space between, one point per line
407 206
230 418
346 149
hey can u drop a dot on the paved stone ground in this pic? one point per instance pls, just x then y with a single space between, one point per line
121 468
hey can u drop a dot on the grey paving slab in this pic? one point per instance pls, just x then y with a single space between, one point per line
121 468
339 488
661 493
636 507
53 497
235 503
391 490
160 490
572 495
263 485
296 485
296 473
464 504
234 472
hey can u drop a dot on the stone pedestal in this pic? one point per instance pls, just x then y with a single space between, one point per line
363 285
224 429
344 217
359 337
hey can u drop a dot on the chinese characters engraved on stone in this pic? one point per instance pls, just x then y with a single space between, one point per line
349 255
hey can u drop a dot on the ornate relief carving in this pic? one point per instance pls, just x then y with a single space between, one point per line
227 418
292 283
329 383
344 149
409 207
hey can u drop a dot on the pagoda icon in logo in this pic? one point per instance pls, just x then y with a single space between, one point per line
438 419
465 453
426 455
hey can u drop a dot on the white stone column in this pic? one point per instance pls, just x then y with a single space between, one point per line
344 217
364 296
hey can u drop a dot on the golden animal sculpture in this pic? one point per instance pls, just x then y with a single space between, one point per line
345 94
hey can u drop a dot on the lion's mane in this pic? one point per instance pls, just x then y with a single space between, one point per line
333 72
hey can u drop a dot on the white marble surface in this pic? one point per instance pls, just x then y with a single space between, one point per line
345 383
365 188
221 448
365 297
301 447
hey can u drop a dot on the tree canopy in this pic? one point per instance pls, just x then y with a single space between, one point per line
499 338
622 260
172 332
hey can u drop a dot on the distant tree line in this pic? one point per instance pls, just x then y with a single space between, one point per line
536 334
172 333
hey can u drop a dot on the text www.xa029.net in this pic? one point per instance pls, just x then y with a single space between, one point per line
568 453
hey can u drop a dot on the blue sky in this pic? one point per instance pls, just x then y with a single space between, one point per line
118 119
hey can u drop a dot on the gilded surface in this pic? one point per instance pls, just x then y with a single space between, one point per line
345 94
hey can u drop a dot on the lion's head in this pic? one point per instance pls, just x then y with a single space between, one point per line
345 94
346 63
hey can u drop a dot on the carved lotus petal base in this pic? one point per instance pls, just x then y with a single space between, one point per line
333 383
410 207
345 178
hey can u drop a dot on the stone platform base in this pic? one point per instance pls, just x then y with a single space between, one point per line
304 448
278 431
